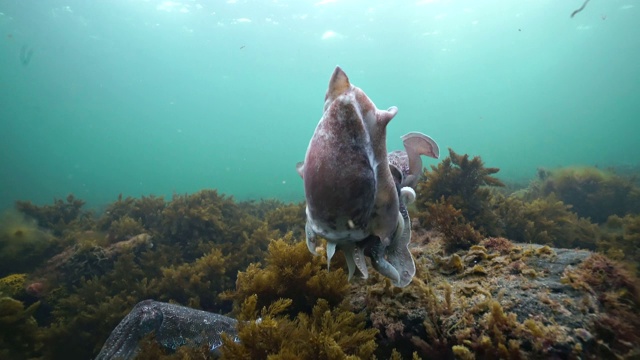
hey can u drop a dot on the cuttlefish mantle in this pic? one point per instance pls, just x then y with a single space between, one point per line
356 198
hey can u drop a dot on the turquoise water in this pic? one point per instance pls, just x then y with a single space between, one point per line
99 98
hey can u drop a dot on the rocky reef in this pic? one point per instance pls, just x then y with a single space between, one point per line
505 300
501 272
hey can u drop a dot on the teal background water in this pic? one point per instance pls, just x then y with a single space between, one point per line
157 97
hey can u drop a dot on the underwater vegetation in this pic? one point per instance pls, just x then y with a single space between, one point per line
19 332
547 221
57 217
448 220
592 193
505 300
128 255
129 216
617 291
621 238
327 332
459 197
290 272
23 244
454 197
536 272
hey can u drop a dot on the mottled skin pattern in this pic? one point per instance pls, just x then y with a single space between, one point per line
173 326
348 184
353 200
346 204
328 185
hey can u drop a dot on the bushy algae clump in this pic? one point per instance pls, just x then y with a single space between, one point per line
23 244
20 336
290 272
464 183
458 198
326 332
620 239
593 193
454 198
546 221
59 216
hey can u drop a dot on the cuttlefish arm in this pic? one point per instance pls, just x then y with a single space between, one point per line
312 238
354 255
397 252
378 251
417 144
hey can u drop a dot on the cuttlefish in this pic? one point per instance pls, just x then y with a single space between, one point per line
357 193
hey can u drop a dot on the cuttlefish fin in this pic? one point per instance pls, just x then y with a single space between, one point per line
417 144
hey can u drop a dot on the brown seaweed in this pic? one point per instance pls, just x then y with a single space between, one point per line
489 298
